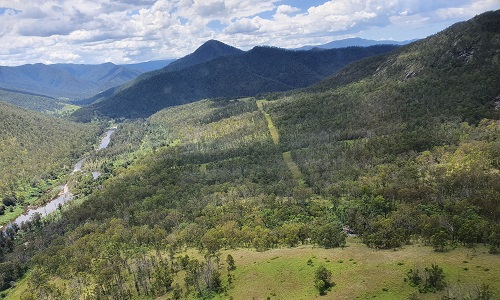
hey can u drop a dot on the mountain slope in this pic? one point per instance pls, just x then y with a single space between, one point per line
385 123
104 75
64 80
463 59
259 70
209 50
30 101
35 149
354 42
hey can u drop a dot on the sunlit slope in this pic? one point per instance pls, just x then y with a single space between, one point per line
35 148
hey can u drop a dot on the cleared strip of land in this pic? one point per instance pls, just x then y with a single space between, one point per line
293 167
270 125
287 156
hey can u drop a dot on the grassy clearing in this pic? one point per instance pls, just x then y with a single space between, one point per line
17 291
11 215
358 272
66 110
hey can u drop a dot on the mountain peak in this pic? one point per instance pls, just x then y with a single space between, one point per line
207 51
214 48
212 43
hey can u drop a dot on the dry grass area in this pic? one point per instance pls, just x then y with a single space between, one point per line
358 272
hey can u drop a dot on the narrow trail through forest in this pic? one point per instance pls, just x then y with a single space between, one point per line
287 156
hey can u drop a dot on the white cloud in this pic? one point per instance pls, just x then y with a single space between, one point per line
467 11
92 31
64 56
286 9
244 25
207 8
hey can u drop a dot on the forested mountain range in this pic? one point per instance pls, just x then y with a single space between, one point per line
65 80
353 42
208 51
234 74
396 149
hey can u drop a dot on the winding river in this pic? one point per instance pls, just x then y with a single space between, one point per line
65 195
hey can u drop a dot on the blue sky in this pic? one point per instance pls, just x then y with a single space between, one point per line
126 31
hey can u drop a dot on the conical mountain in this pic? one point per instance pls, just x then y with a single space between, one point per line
208 51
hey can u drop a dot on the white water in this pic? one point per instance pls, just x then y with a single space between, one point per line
65 195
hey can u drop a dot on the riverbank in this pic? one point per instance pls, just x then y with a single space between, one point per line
63 196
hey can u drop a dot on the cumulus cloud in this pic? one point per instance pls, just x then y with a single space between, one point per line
206 8
286 9
466 11
244 26
92 31
45 29
63 55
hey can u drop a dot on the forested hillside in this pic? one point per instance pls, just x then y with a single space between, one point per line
36 102
260 70
209 50
71 81
400 152
35 150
